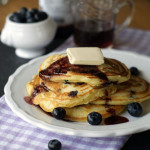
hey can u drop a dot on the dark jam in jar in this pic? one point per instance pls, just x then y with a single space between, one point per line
83 37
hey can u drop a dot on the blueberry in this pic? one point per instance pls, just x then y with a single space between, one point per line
30 20
94 118
73 93
134 109
134 71
30 14
16 17
43 15
40 16
34 10
37 17
12 16
54 145
59 113
23 11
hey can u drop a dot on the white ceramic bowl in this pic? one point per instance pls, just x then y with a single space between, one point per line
29 39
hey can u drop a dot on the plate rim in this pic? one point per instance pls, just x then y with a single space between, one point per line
143 125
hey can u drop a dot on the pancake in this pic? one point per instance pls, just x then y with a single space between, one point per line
50 95
134 90
79 113
57 68
33 83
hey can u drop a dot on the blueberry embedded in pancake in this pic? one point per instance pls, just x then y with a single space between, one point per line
134 90
57 94
57 68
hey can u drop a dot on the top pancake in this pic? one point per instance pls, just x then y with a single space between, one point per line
58 69
134 90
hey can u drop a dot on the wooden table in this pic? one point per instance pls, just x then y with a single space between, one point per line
141 18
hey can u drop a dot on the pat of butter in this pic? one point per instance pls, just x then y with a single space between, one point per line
85 56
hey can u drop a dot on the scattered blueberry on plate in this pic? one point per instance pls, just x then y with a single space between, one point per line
94 118
134 109
134 71
54 145
28 16
59 113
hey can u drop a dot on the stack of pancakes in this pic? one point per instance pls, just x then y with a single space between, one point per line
81 89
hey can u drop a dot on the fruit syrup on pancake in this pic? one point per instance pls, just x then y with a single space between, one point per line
62 66
38 89
113 119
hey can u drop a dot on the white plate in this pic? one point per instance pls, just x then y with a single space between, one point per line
15 91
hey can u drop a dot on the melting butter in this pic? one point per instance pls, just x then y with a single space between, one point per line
85 56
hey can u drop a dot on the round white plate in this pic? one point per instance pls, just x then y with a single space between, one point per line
15 91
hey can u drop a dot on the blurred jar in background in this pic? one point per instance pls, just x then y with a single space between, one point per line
60 11
95 21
